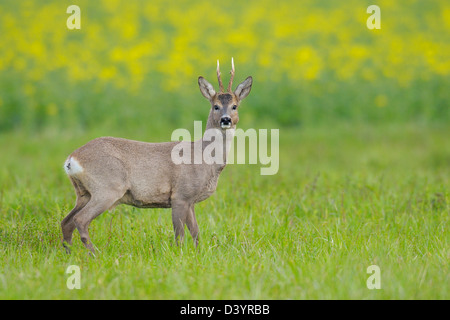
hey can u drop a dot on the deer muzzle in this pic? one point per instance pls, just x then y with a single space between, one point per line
225 122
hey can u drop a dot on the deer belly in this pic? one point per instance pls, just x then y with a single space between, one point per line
152 200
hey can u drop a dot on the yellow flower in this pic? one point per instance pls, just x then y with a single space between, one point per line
125 43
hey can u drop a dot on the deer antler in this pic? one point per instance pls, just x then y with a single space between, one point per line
232 75
218 77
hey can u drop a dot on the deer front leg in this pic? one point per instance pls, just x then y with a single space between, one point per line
192 225
180 212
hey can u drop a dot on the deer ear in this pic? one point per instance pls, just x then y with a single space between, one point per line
206 88
244 88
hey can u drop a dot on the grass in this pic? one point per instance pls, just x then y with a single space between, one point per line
364 153
345 198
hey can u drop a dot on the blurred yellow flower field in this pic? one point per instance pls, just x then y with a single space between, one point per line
125 42
130 46
364 155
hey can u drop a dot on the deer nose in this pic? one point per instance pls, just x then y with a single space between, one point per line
225 120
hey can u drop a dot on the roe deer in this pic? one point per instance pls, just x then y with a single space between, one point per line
109 171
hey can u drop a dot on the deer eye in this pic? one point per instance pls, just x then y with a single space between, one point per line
234 107
216 107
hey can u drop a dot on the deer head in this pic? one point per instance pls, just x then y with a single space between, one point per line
224 105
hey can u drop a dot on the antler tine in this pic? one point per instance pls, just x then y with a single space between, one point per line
232 75
218 77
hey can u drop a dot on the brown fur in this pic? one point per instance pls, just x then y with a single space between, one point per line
120 171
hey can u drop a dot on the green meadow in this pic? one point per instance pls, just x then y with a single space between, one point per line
364 152
341 202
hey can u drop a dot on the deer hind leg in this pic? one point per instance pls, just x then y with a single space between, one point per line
67 224
192 225
96 206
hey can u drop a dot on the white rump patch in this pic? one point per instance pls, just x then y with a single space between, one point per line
72 166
